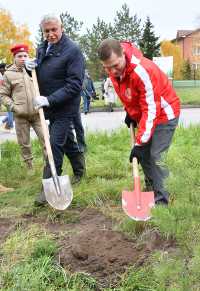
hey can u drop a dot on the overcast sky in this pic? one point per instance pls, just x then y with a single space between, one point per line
167 16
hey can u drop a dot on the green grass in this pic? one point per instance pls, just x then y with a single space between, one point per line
27 256
190 96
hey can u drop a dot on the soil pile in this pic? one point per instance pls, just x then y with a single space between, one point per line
90 244
93 247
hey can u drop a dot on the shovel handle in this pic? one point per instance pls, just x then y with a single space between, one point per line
134 162
44 126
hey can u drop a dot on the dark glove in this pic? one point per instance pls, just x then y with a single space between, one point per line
128 121
139 152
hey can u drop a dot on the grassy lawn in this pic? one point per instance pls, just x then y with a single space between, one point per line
31 253
190 96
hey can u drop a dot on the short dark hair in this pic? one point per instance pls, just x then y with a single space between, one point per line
109 46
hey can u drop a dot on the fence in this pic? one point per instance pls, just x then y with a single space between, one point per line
176 84
186 83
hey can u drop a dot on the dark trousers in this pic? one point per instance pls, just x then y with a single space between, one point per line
152 164
79 131
62 143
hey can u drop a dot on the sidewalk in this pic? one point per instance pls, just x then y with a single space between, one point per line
109 121
118 109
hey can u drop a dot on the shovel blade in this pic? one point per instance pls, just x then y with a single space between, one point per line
138 211
58 201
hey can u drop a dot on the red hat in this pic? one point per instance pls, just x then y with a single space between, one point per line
19 48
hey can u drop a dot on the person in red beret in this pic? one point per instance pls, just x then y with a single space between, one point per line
19 48
17 93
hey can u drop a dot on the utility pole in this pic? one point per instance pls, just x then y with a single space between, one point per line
183 37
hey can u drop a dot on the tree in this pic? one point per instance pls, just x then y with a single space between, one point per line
71 26
186 70
12 34
90 43
126 27
149 42
170 49
39 38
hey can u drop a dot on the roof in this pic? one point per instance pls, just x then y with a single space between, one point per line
182 33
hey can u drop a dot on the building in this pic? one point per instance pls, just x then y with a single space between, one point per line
189 42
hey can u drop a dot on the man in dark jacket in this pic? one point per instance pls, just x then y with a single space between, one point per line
60 72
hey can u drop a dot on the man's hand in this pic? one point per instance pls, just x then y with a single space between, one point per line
30 64
40 101
139 152
128 121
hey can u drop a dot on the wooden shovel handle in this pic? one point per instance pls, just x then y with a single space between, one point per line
43 121
134 162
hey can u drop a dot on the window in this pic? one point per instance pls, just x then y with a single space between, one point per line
195 66
196 51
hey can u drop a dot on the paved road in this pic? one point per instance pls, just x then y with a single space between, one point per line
108 121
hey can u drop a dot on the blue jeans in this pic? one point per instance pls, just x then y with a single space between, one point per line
8 120
86 103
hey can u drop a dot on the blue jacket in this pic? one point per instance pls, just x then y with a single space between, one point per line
60 75
88 89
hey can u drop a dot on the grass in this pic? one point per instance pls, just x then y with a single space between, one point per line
27 256
188 96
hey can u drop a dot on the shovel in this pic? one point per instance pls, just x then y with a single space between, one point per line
57 189
136 204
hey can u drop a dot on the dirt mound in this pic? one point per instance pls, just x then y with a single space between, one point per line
89 244
93 247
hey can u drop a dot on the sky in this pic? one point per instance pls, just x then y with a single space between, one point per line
166 16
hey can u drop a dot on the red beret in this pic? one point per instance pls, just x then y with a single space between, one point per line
19 48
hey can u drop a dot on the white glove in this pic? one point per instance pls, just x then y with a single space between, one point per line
30 64
40 101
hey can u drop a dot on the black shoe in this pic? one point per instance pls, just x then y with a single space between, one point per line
40 200
76 179
161 203
161 198
77 161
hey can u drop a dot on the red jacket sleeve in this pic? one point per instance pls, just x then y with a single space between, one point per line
149 105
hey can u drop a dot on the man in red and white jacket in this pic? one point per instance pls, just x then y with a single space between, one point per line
151 105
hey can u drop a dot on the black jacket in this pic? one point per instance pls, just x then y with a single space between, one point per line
60 75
